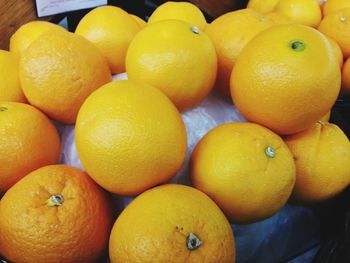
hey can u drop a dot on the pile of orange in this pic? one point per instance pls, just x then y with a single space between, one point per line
283 63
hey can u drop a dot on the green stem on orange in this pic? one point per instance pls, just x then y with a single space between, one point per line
343 19
297 45
193 242
2 108
55 200
270 152
195 30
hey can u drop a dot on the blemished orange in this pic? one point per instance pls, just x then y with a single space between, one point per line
130 137
55 214
332 6
322 157
28 141
326 117
246 169
10 89
337 26
175 57
172 223
263 6
59 71
279 19
230 33
184 11
337 51
286 78
142 23
305 12
111 29
346 76
29 32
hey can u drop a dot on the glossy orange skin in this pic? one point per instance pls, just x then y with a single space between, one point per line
337 26
28 141
322 156
284 88
155 227
230 164
130 137
77 231
59 71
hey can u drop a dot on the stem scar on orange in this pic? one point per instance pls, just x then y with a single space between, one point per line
246 169
172 223
55 214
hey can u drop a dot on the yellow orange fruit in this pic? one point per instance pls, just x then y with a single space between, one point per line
246 169
183 11
130 137
172 223
29 32
306 12
59 71
331 6
55 214
337 51
279 19
230 33
142 23
28 141
326 117
346 76
286 78
111 29
337 26
263 6
10 89
322 157
176 58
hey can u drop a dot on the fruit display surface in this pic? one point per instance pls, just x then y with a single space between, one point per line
300 223
176 137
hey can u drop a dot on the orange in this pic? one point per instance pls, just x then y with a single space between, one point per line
29 32
286 78
263 6
172 223
306 12
55 214
176 58
332 6
346 76
59 71
337 51
130 137
111 29
183 11
28 140
326 117
230 33
246 169
279 19
322 157
139 21
337 26
10 89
